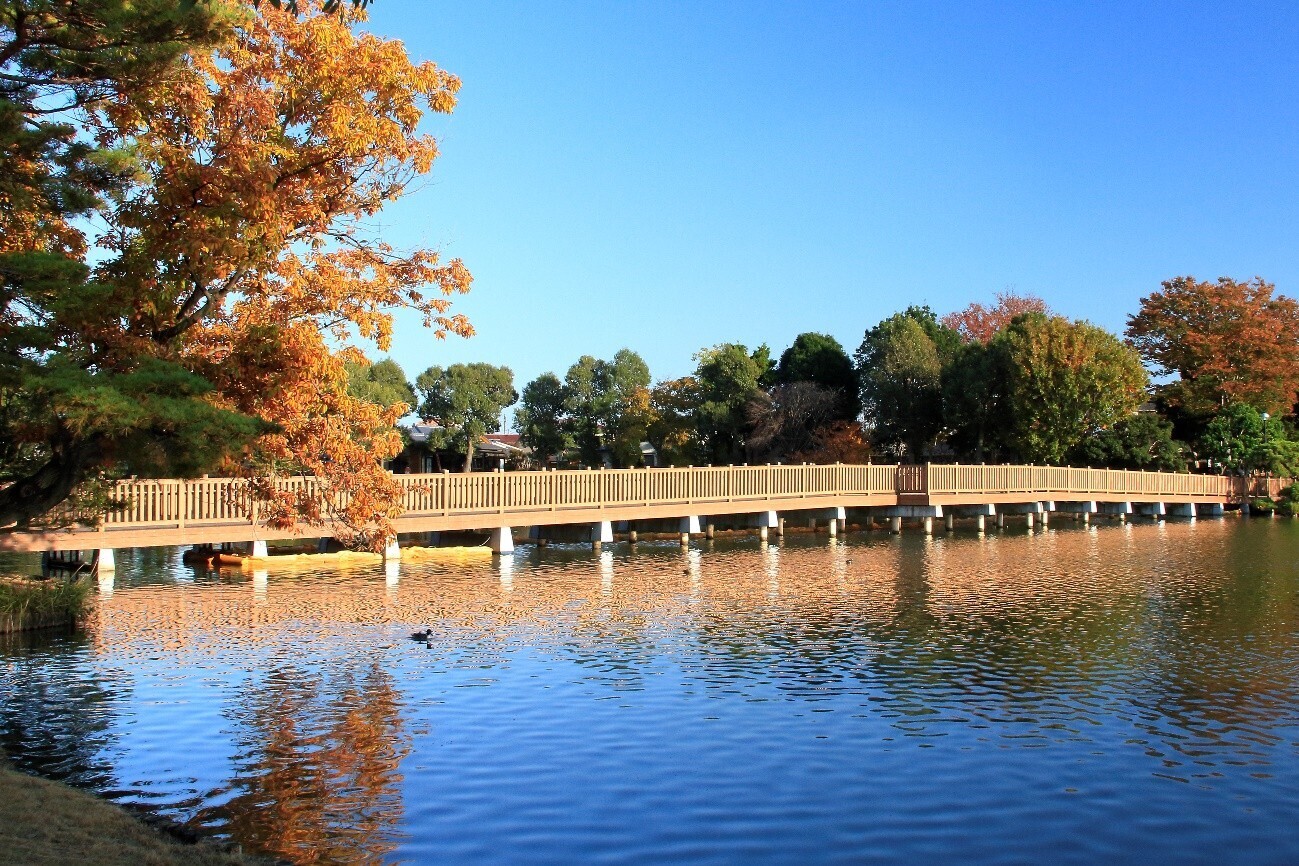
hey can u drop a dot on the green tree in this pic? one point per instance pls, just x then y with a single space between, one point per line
821 360
899 368
1240 440
605 405
1142 441
382 383
974 398
727 376
72 409
540 419
467 400
1066 380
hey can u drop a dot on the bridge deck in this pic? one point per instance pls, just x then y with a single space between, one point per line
162 512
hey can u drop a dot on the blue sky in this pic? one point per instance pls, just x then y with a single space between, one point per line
669 176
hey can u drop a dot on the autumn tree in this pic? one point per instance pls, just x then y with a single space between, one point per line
541 420
1066 380
1226 342
672 427
467 401
227 170
978 324
787 419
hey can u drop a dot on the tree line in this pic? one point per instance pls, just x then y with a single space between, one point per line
1007 382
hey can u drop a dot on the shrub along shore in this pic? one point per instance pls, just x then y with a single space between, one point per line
26 604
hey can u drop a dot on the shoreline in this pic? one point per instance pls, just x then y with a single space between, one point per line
48 823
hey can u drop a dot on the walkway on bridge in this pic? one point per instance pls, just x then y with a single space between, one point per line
171 512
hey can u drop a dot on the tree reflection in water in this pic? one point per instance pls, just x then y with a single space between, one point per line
316 778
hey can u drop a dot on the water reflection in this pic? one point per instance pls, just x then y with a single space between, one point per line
316 777
1164 652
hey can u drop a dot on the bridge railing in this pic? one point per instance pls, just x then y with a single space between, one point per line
171 502
980 479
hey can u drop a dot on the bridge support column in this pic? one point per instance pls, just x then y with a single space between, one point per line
631 535
502 540
1180 509
780 527
601 533
1080 510
949 522
257 550
688 526
926 514
1153 510
432 539
1047 508
391 550
1029 518
766 521
1210 509
105 561
709 530
1118 509
1001 520
981 522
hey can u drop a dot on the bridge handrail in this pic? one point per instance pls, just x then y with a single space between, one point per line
176 502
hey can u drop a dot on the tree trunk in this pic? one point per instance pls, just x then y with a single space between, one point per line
39 492
469 457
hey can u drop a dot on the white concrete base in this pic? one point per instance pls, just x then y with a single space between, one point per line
601 533
257 550
502 540
391 551
106 561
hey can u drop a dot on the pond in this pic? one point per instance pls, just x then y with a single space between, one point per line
1124 693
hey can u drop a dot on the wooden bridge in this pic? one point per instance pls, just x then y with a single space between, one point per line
220 510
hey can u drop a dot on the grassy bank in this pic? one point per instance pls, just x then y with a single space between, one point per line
43 823
28 604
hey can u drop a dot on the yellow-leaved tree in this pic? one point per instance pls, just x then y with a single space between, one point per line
237 246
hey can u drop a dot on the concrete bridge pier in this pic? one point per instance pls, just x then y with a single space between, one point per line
601 533
1121 510
689 526
1180 509
1080 510
105 561
391 550
925 513
1047 507
766 521
1030 510
502 540
949 522
1153 510
710 529
257 549
1210 509
980 513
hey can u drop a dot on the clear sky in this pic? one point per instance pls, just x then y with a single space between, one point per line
670 175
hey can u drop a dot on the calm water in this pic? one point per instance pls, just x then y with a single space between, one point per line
1124 694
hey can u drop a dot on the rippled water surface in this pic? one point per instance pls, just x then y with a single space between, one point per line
1115 694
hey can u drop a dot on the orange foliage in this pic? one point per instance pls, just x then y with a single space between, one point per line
266 157
1227 341
977 323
